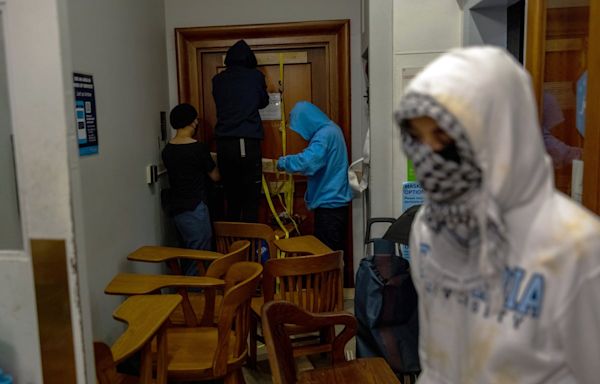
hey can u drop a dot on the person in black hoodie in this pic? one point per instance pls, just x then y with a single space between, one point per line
239 92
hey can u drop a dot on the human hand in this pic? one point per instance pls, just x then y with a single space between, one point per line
280 162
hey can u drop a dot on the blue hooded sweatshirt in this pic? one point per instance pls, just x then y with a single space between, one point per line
324 161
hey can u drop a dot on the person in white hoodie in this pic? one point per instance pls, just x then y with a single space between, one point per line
507 268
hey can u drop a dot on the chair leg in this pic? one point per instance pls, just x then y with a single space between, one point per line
252 349
235 377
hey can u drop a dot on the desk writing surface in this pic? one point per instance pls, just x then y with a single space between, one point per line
138 284
364 371
302 244
156 254
144 315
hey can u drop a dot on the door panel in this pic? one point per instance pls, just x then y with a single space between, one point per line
316 69
565 62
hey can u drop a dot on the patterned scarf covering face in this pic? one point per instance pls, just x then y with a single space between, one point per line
452 184
448 183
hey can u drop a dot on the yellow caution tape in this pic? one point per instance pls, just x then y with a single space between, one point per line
288 185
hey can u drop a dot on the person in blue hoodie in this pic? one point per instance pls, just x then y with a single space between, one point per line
239 92
325 162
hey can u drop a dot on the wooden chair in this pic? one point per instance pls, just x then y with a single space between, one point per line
312 282
208 303
208 353
146 317
226 233
278 316
141 284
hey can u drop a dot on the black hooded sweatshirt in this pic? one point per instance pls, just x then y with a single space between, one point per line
239 92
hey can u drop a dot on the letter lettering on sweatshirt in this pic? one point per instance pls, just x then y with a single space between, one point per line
533 297
512 286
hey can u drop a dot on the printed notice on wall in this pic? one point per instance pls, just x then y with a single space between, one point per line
273 110
412 194
85 114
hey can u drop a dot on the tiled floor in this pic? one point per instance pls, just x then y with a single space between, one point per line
262 374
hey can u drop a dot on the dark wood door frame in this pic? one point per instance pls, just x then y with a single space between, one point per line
332 35
534 62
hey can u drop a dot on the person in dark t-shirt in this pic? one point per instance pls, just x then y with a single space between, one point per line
239 92
189 166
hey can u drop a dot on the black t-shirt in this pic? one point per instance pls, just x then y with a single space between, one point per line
188 166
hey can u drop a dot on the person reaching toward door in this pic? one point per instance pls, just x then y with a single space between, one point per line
239 92
189 166
507 269
325 162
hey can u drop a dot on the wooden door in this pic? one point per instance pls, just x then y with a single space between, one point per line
315 59
558 55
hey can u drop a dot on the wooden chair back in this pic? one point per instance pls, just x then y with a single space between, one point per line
106 369
242 279
238 251
278 316
226 233
313 282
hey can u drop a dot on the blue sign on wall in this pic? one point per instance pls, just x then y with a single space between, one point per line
85 114
412 194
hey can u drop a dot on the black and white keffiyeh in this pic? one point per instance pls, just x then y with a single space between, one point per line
448 184
453 207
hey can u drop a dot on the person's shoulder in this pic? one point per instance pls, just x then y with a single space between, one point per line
202 146
575 220
167 149
219 76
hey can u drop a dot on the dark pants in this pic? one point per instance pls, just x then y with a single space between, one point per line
241 175
331 226
196 233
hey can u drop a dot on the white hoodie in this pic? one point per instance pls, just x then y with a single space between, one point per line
545 324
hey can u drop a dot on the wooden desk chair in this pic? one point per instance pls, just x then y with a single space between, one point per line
313 282
146 317
208 353
208 303
139 284
200 303
278 316
228 232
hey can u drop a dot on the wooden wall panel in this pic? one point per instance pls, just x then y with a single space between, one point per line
53 310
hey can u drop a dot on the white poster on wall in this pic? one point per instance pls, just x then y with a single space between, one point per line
273 110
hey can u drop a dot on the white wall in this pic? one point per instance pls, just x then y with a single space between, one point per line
403 34
422 31
193 13
36 77
485 26
381 106
121 44
10 224
485 21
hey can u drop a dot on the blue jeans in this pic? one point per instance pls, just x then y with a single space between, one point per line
196 232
